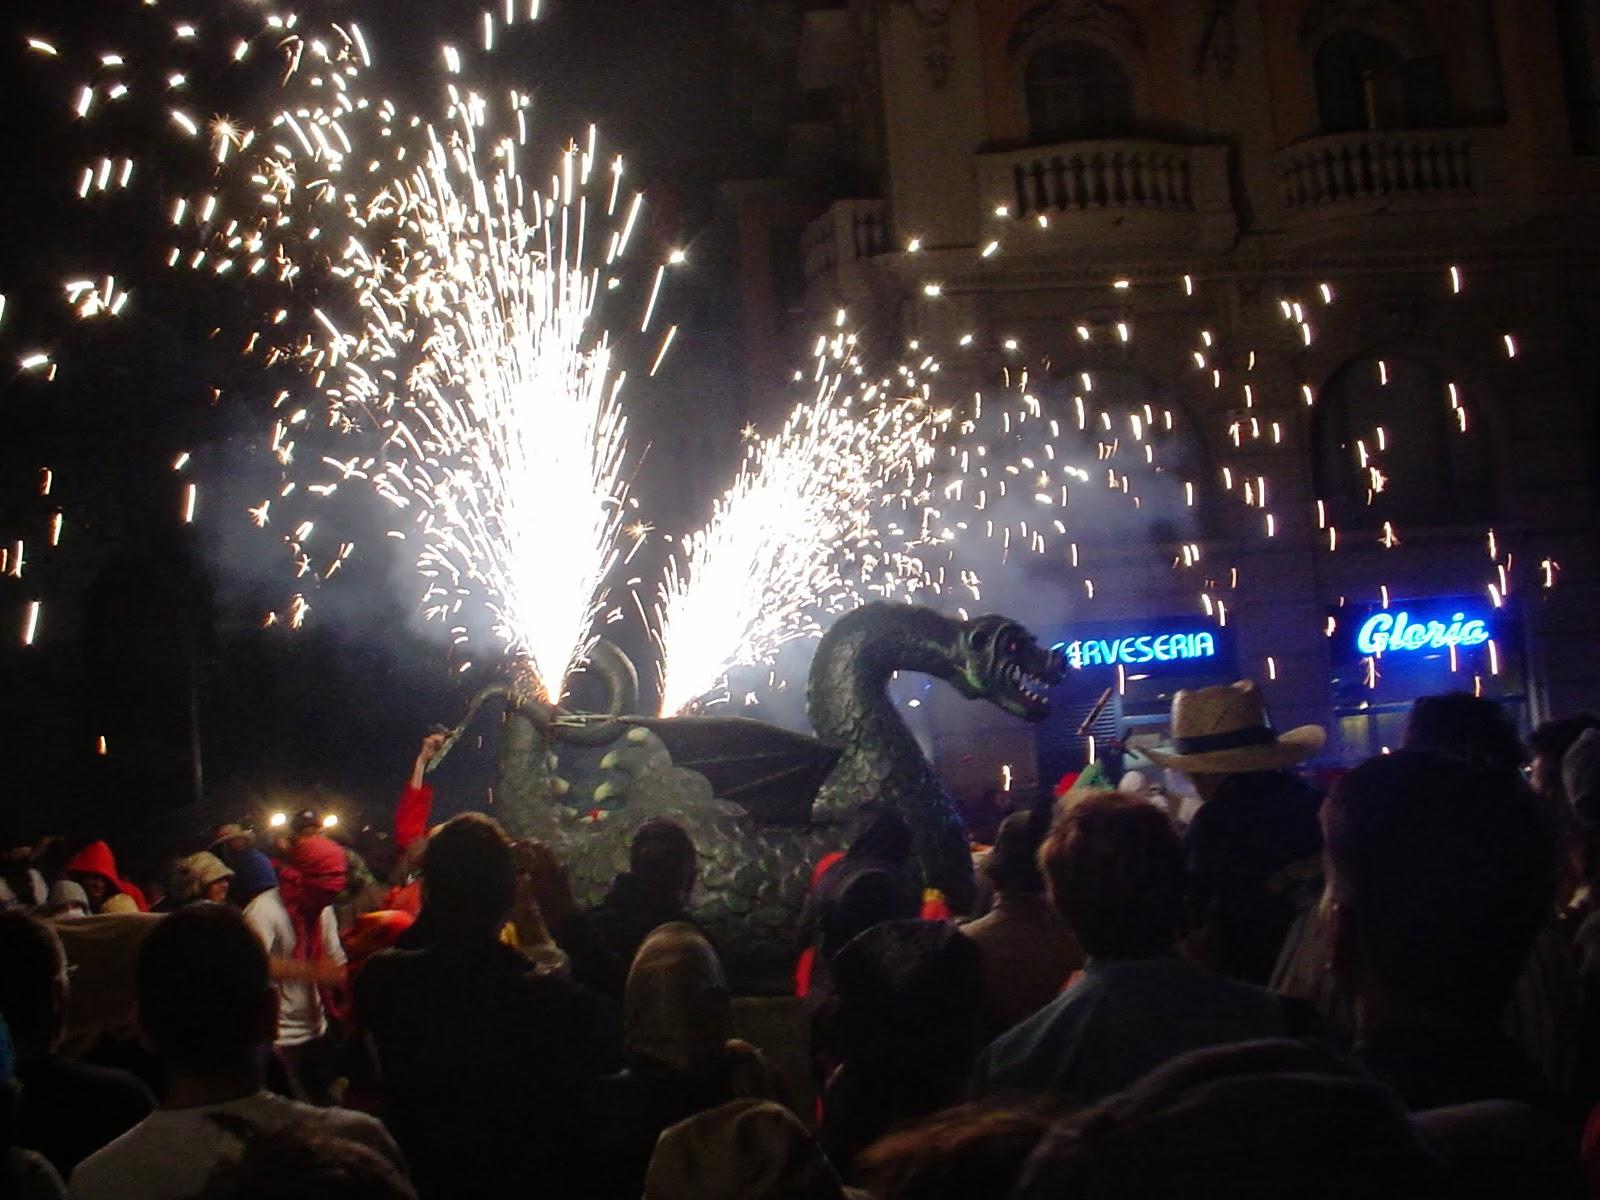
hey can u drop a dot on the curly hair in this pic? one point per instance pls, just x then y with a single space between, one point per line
1114 868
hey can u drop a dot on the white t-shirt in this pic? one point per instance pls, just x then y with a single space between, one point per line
300 1015
171 1153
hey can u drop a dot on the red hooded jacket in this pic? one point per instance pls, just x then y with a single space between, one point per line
96 859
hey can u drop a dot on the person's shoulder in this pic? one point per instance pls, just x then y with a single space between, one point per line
268 1110
385 972
115 1169
1235 994
265 907
32 1176
1023 1039
357 1127
980 927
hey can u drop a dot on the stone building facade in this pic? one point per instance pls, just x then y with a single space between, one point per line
1351 245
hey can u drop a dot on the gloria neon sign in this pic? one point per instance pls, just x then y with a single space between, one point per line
1140 650
1396 632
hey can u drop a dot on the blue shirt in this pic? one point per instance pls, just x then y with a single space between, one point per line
1119 1021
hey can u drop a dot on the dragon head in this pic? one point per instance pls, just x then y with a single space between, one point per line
998 660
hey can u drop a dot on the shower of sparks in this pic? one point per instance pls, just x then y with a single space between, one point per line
799 533
476 384
508 449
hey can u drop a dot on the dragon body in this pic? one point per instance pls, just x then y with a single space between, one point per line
763 804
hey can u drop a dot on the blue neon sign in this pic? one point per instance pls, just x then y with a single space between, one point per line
1415 631
1398 632
1137 650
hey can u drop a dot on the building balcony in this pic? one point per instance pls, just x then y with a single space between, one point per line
835 246
1354 175
1117 195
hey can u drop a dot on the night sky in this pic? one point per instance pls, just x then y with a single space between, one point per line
150 634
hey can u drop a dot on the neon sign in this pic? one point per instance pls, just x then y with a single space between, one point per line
1397 632
1140 650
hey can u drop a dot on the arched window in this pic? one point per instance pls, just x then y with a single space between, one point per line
1077 90
1364 82
1393 445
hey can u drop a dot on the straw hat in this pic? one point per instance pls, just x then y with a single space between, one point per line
1224 730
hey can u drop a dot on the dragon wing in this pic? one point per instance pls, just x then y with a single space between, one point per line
773 773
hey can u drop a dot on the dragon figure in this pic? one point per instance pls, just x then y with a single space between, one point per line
763 804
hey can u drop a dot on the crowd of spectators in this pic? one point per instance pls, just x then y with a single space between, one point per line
1388 990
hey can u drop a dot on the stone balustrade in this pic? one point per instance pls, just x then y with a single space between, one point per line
850 232
1377 166
1119 175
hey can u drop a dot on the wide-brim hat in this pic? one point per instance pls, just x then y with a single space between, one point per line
1224 730
201 870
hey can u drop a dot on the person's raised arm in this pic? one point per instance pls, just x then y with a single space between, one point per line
416 801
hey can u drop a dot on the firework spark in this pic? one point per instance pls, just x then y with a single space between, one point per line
509 448
798 534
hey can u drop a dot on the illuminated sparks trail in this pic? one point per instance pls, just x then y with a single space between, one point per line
801 532
506 442
465 376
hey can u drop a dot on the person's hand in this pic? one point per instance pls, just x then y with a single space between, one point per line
545 879
327 973
322 972
431 745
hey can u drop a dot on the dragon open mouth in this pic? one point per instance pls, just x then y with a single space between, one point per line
1003 663
1032 691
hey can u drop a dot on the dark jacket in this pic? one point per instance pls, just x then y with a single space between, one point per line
1250 851
1120 1020
615 928
488 1067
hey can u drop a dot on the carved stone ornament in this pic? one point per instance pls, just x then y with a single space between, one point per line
938 55
1058 20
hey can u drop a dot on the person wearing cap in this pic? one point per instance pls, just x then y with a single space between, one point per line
1254 847
253 872
67 900
204 878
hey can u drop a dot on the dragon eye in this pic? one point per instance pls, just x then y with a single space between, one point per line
1013 644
